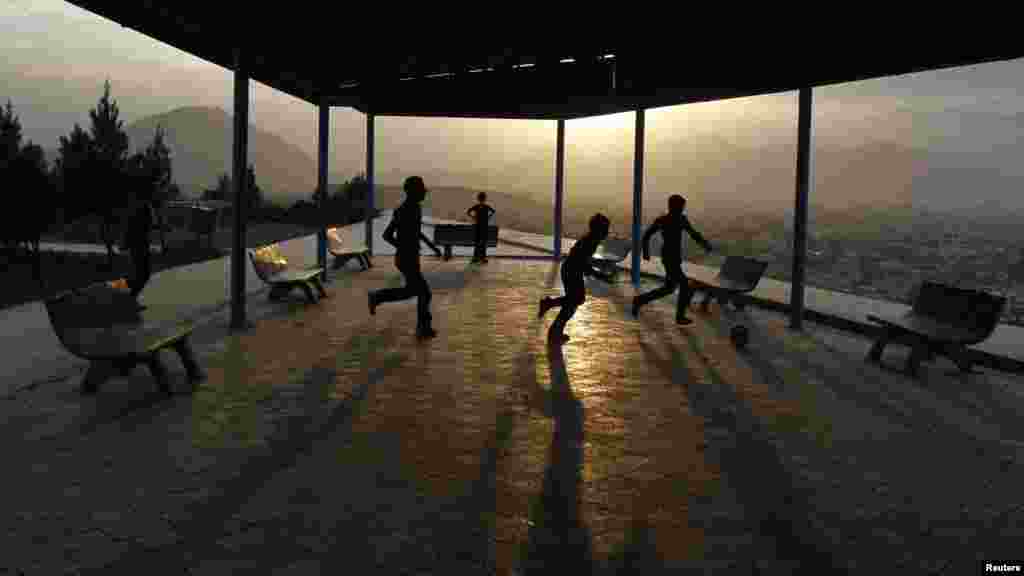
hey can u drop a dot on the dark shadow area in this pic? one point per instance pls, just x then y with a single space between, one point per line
558 542
901 400
825 361
638 554
467 544
295 437
128 401
776 510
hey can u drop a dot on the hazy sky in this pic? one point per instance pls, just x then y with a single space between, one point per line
54 39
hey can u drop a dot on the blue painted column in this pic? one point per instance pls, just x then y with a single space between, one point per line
803 184
559 186
638 193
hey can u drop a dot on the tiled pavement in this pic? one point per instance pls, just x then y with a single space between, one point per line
328 441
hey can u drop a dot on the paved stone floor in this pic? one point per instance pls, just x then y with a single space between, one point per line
328 441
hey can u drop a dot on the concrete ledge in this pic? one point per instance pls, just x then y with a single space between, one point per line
866 329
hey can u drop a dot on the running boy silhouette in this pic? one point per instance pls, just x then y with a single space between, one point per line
671 226
576 266
406 221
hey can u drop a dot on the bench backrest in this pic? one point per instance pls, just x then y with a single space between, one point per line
462 234
974 310
614 248
203 221
98 305
268 261
742 270
334 242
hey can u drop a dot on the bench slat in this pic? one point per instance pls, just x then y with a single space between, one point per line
613 250
288 276
726 284
337 247
738 274
121 341
949 313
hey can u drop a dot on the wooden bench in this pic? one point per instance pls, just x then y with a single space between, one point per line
273 269
343 254
449 235
102 324
737 275
942 320
611 253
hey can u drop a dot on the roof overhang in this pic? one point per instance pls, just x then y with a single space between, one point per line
472 82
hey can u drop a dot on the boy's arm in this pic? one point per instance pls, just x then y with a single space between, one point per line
389 232
696 235
470 211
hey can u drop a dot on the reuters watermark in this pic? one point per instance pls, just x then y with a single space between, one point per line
1002 568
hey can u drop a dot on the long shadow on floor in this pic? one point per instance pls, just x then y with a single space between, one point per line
776 509
558 542
298 435
849 379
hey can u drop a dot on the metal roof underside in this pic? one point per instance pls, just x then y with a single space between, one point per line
477 81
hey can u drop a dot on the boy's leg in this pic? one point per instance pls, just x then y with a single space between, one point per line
671 282
557 330
419 286
383 295
547 303
685 292
476 243
575 295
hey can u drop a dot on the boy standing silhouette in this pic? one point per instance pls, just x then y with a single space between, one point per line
481 214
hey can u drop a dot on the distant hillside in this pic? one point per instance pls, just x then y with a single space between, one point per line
717 176
515 211
722 178
200 141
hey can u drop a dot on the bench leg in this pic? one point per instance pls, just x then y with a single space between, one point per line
918 352
448 252
962 358
369 262
188 360
308 290
705 303
875 354
125 367
159 372
96 374
319 287
279 291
